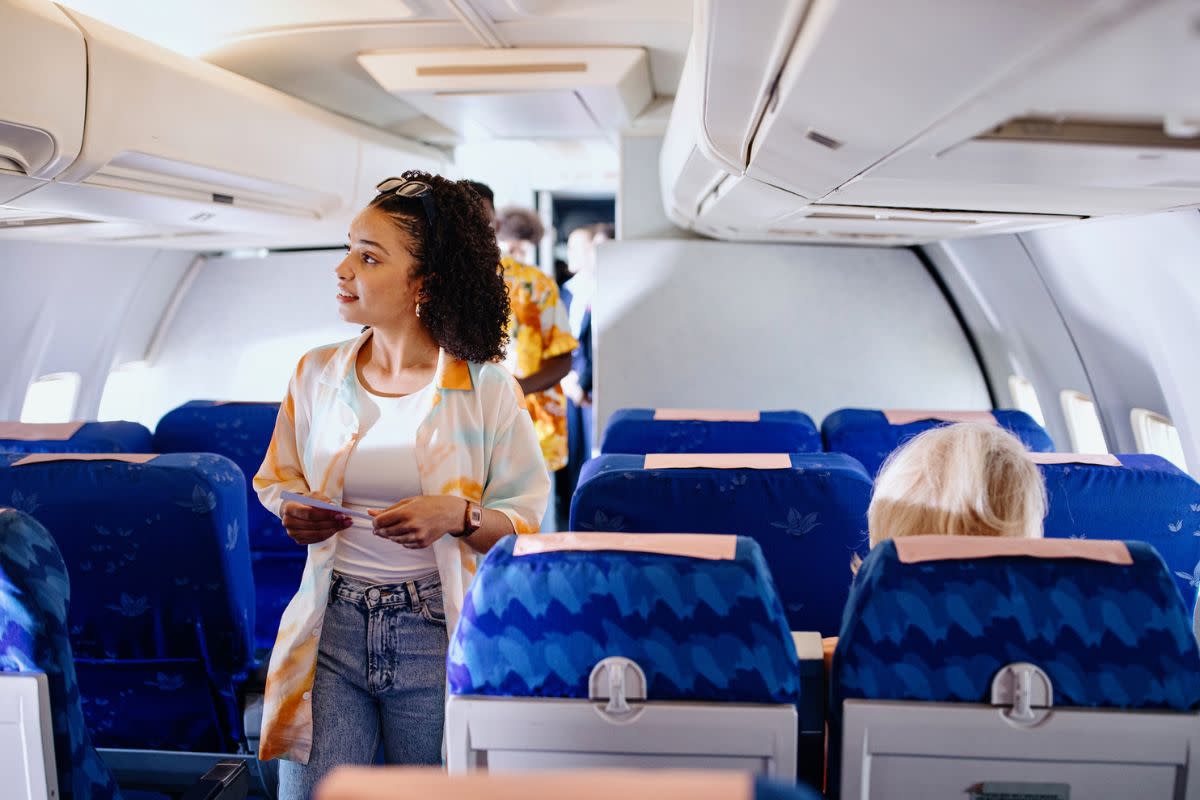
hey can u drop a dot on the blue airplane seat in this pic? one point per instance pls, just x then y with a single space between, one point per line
808 513
870 435
158 548
241 431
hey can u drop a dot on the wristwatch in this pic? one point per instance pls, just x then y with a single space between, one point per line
472 520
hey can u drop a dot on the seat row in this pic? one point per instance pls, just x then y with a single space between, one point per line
239 431
1024 663
749 473
867 435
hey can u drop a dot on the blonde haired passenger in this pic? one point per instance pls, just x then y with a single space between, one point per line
968 479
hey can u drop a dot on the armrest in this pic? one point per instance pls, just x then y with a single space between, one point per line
228 780
808 645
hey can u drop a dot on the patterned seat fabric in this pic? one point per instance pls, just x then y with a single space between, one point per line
634 430
869 437
1147 498
809 519
701 630
1108 636
34 593
92 437
242 433
158 550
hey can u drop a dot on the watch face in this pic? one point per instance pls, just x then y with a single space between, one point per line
476 515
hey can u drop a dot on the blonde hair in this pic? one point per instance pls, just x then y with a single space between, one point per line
968 479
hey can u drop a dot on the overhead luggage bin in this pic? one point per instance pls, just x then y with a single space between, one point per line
722 92
188 150
865 78
41 120
937 119
1106 122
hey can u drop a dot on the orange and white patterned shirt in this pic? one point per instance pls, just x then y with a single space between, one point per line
538 331
475 442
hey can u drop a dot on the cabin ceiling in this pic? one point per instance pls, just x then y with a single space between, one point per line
311 49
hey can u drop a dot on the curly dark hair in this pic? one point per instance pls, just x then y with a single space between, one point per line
463 299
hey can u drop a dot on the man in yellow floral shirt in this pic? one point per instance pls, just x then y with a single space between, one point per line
540 346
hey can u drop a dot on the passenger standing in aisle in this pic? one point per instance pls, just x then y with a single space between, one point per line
414 425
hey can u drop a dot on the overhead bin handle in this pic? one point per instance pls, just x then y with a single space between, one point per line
27 149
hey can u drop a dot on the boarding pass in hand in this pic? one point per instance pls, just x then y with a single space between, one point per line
315 503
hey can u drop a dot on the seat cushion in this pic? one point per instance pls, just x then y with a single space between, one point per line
711 630
810 519
635 430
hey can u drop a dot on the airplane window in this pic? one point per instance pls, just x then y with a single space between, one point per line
51 398
1155 434
124 395
1083 423
1025 398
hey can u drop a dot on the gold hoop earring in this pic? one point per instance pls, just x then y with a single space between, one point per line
418 310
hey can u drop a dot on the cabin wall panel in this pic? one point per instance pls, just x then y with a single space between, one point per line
703 323
1129 291
242 327
77 308
1015 322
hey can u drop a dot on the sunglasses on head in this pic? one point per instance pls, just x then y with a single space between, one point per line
412 188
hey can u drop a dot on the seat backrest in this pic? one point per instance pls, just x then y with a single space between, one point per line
157 545
936 618
1109 635
241 432
648 430
1140 497
808 513
705 627
34 595
74 437
871 435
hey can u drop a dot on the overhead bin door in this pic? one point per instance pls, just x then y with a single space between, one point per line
864 78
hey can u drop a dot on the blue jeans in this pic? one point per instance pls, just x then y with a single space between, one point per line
381 674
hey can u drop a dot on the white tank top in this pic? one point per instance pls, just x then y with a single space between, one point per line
381 471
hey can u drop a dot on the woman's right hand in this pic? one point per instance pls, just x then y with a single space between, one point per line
307 525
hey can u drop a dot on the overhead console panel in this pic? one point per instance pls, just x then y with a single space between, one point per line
170 150
519 92
1021 113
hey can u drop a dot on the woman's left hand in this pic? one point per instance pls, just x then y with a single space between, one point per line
420 521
